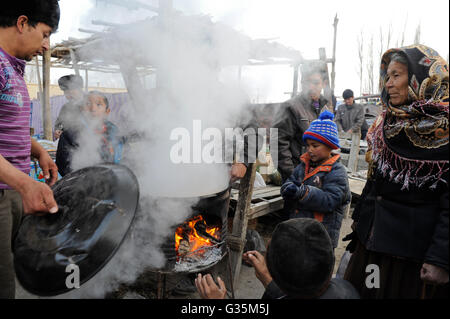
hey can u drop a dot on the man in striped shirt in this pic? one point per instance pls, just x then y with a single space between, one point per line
25 28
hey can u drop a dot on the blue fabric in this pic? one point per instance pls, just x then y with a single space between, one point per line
324 127
328 193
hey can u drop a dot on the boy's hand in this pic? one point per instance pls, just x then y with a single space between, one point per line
258 262
294 190
208 289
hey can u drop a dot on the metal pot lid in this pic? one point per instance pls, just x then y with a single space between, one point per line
96 208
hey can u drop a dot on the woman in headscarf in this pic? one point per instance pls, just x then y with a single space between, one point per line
401 220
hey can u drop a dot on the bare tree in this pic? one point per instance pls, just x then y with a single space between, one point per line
360 41
389 37
370 67
404 32
417 36
381 43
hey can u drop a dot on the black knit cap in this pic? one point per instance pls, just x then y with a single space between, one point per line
347 94
70 82
300 257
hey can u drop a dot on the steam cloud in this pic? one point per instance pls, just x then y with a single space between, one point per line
195 81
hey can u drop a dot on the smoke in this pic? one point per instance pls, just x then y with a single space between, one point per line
190 54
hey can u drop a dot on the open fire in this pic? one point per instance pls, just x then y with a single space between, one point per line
194 237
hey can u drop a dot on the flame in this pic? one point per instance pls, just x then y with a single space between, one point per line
196 241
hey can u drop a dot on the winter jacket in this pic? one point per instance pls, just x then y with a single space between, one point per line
350 117
327 197
292 120
411 224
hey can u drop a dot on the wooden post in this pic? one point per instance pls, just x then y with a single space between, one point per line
295 87
354 152
236 241
333 64
328 93
86 80
48 129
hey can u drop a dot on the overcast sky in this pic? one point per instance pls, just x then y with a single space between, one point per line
302 25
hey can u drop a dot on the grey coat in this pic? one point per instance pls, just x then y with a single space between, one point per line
350 117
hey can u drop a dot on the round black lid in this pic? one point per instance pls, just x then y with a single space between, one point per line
96 208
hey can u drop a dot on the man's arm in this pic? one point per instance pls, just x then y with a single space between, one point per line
36 197
284 123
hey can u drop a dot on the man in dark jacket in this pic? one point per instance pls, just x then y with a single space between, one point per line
295 116
350 116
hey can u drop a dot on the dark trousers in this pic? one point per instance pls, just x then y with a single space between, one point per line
10 217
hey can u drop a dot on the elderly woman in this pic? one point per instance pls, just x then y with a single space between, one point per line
401 221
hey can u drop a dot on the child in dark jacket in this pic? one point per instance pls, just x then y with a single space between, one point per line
318 187
95 110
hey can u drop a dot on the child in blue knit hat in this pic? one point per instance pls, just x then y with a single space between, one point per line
318 187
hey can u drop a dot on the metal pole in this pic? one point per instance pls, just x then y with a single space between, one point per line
48 129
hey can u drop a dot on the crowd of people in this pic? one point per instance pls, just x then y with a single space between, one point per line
400 223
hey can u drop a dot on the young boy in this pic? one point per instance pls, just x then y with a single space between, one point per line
318 187
93 118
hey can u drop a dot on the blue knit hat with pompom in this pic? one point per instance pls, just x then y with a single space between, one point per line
324 130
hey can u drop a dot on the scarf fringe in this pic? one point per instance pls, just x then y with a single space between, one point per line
401 170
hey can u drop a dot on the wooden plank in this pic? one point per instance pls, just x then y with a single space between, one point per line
236 240
266 207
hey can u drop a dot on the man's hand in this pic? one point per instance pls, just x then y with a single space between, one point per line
37 198
208 289
49 168
238 171
435 275
258 262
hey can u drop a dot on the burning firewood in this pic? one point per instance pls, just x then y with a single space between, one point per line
201 230
184 247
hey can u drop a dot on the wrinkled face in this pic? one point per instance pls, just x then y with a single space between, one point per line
73 95
317 151
97 107
397 83
313 85
34 40
349 101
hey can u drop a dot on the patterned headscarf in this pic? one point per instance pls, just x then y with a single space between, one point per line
409 143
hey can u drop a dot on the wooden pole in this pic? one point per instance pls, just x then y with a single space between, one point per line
48 129
333 64
41 93
236 241
354 152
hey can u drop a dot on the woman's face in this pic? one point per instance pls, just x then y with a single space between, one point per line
397 83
